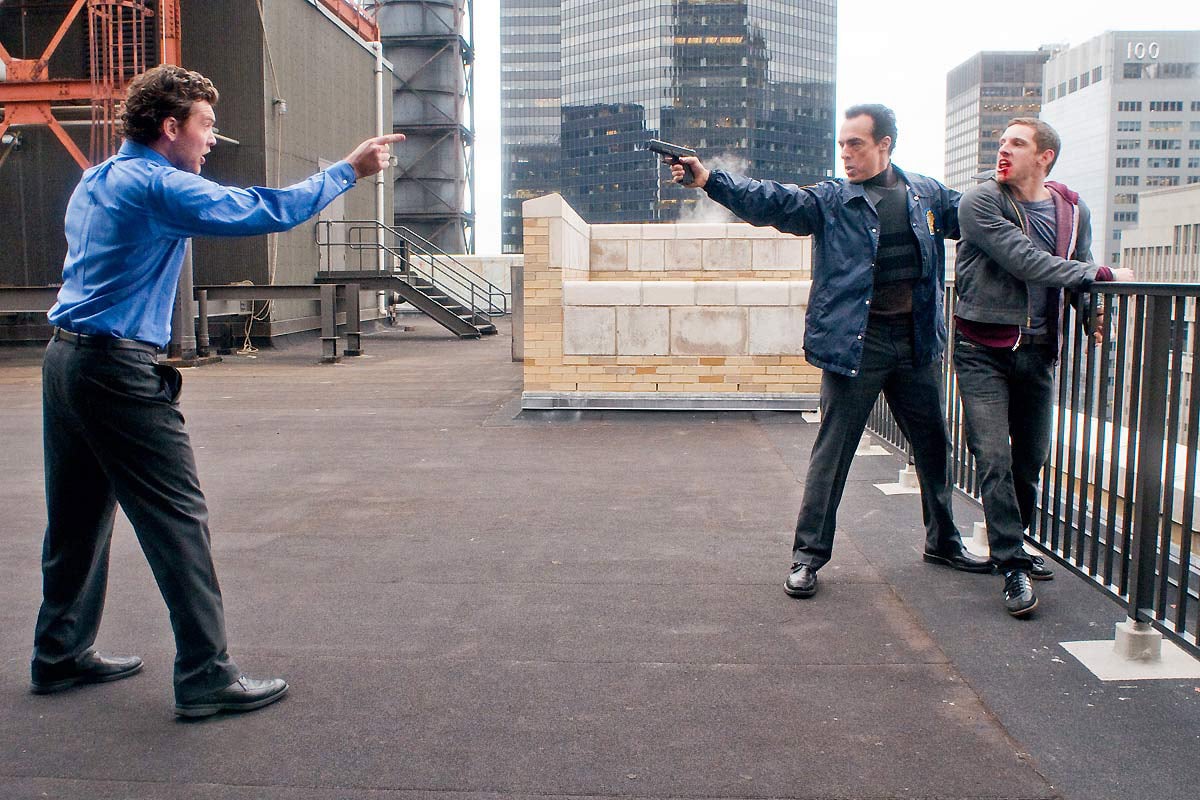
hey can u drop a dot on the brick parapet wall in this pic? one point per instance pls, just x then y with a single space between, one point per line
721 313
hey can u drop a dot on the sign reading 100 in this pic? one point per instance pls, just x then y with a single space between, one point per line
1141 50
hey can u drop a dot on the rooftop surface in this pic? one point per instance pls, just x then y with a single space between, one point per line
471 602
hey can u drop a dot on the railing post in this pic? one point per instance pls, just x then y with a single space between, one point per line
202 343
329 323
353 324
1151 433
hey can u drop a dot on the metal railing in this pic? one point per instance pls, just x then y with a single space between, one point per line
408 255
1118 495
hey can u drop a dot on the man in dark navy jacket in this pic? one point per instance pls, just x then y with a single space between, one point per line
874 321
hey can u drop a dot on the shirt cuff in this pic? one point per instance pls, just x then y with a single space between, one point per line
1104 274
343 173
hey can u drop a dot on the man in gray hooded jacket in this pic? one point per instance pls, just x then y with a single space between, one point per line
1024 240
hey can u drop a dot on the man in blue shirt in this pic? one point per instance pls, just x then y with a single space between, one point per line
113 432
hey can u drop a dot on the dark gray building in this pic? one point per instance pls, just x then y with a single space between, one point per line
982 94
297 93
586 82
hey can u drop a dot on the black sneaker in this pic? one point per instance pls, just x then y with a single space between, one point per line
1040 571
1019 598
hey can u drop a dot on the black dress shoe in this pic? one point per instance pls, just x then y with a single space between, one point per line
90 668
1039 571
244 694
959 559
801 581
1019 598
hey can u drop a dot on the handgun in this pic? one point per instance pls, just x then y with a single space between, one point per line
673 152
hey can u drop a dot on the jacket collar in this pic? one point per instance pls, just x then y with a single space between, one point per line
849 190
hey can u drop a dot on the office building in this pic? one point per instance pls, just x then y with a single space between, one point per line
1127 106
982 94
586 82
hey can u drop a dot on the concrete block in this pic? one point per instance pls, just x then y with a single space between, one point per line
589 331
764 253
651 256
669 293
602 293
744 230
658 230
683 254
701 230
775 331
716 293
608 255
643 331
762 293
611 231
727 254
798 292
792 253
1137 641
708 331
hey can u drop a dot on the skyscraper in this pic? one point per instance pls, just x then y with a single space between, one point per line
1127 106
748 81
982 94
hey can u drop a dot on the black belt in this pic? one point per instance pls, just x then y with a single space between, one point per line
101 342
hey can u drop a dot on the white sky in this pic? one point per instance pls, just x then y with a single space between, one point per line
896 53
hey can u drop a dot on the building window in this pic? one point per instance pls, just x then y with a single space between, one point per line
1162 180
1166 105
1162 163
1129 163
1127 180
1084 80
1193 179
1194 144
1129 105
1168 125
1164 144
1125 199
1096 73
1129 125
1133 70
1196 105
1125 216
1128 144
1073 85
1051 94
1193 163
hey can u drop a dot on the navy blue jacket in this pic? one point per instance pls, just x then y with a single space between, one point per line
845 231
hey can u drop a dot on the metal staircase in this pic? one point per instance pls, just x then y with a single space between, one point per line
410 269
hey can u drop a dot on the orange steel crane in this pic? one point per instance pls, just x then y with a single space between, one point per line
119 32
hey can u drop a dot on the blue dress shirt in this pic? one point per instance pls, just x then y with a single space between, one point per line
127 228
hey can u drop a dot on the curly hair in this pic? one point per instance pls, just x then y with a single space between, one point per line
159 93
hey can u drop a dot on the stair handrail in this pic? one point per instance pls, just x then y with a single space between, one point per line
460 283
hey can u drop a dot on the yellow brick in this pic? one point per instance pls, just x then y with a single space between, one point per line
712 379
713 361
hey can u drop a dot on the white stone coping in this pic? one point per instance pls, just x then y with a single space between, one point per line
686 293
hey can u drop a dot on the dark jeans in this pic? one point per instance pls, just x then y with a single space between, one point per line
915 397
1007 397
113 434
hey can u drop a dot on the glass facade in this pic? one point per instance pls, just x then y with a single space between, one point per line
530 89
747 83
982 94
